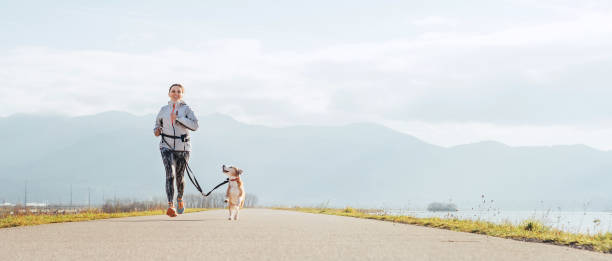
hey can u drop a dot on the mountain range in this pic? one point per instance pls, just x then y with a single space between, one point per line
115 154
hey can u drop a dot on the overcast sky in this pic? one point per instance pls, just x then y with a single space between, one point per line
447 72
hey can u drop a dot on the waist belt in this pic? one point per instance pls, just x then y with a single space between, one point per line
183 137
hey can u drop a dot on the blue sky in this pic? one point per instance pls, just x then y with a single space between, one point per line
448 72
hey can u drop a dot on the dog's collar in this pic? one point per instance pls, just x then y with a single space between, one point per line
238 178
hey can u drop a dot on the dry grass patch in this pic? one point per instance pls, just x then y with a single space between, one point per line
38 219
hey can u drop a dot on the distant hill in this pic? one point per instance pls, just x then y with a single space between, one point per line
115 153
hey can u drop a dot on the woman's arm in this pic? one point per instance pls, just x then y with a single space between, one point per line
158 124
190 121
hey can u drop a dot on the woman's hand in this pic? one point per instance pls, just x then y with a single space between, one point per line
157 132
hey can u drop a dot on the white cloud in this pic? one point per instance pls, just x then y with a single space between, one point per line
518 84
434 20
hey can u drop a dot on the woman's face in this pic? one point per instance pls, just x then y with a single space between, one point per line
176 93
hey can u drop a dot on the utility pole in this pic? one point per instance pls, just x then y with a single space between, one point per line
88 198
70 195
25 197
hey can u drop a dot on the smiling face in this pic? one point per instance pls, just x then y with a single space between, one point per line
176 93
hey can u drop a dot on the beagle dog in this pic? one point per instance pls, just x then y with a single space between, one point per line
235 191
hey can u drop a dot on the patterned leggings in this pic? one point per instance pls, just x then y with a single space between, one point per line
175 163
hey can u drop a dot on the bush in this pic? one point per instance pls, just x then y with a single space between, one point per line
127 205
437 206
533 226
349 210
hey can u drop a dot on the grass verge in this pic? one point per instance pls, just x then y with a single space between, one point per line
529 230
30 220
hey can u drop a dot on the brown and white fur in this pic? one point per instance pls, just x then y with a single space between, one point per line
235 191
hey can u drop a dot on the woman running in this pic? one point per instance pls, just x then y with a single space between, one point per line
173 123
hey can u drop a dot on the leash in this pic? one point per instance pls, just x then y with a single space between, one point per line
194 181
220 184
190 174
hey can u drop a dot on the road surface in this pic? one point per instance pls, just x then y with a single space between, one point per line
264 234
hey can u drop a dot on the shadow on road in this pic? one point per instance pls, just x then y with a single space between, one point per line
158 220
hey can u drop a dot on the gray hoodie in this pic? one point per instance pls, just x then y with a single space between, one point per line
185 121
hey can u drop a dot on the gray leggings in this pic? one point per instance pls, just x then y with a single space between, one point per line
174 160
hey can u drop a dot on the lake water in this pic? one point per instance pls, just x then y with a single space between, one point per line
575 222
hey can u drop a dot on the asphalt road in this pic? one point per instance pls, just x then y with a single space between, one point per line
264 234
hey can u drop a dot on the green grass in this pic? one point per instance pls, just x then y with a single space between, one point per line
528 230
38 219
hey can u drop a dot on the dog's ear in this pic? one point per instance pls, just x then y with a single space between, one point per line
239 171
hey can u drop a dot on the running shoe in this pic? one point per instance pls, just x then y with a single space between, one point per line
171 212
181 206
